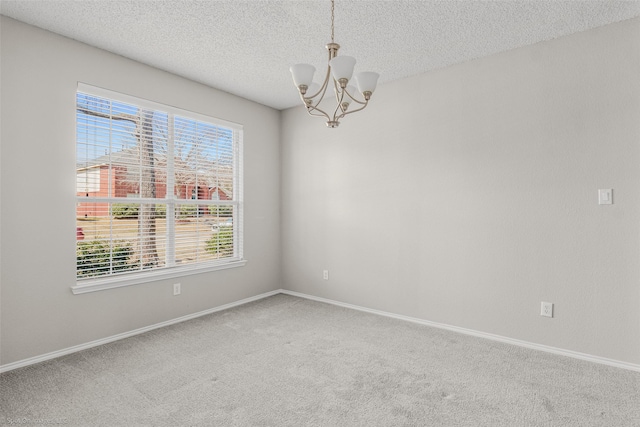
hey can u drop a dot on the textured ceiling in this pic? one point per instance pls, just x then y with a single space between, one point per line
246 47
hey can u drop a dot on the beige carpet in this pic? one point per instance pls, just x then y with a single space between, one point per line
286 361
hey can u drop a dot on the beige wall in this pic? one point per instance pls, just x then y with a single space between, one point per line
39 314
468 195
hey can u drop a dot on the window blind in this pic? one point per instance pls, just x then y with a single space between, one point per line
157 187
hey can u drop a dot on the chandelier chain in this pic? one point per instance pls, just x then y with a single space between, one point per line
332 9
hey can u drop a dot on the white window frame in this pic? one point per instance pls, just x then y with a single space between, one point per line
143 276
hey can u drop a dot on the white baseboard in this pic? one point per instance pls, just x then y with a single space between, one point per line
540 347
493 337
76 348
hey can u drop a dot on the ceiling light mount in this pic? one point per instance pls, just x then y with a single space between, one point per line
339 73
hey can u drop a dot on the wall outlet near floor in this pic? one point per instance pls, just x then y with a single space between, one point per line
546 309
325 274
176 289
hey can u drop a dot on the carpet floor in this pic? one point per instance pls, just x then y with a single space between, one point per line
287 361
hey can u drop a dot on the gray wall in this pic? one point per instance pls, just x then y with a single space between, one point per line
463 196
468 195
39 314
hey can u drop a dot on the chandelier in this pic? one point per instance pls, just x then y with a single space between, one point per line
339 73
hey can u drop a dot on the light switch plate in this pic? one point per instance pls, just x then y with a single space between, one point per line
605 196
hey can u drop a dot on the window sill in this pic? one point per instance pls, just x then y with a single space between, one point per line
94 285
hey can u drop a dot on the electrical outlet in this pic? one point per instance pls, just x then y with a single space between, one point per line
546 309
325 274
176 289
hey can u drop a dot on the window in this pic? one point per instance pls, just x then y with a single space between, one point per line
159 191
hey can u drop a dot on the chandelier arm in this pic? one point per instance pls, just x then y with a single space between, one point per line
353 111
323 88
338 91
321 91
339 97
354 99
323 115
310 102
311 109
313 106
337 117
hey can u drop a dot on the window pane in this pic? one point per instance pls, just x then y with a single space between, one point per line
203 233
203 160
101 248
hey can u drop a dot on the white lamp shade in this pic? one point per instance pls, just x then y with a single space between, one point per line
342 67
367 81
302 74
